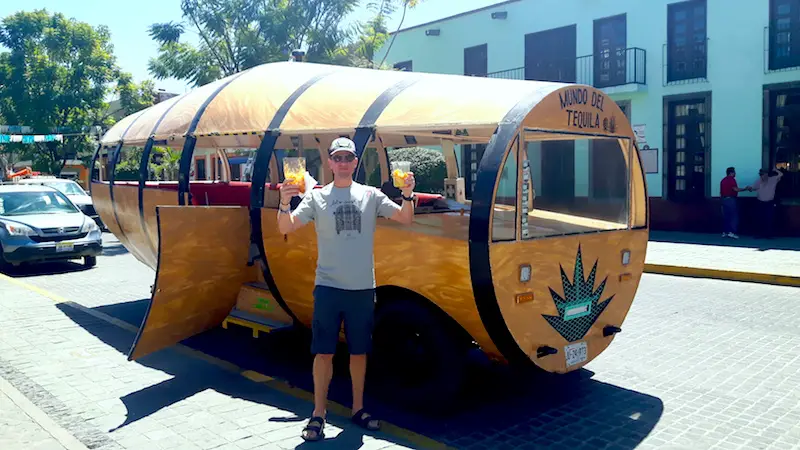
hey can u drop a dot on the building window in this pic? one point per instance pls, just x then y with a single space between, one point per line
784 34
686 40
610 41
406 66
784 141
551 55
476 61
688 131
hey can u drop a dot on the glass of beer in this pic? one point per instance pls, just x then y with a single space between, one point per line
294 172
400 171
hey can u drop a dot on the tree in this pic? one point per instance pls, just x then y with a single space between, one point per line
235 35
428 165
388 7
134 97
54 77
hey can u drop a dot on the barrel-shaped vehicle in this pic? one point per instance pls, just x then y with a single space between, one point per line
529 247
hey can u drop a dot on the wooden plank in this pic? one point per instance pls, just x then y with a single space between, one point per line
546 258
202 264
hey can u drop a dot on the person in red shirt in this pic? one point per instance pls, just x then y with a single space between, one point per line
729 190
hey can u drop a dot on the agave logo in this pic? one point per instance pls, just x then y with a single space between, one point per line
579 308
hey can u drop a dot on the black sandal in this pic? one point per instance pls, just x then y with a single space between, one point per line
363 419
312 427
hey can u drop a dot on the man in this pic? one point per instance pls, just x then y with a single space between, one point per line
765 187
345 215
729 190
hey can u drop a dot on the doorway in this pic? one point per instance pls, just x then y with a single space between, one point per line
688 131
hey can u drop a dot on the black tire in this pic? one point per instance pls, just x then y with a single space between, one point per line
4 265
89 261
419 359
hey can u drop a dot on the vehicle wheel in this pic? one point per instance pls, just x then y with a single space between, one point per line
418 360
89 261
4 265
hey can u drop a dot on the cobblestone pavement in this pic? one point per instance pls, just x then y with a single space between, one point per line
780 256
17 427
700 364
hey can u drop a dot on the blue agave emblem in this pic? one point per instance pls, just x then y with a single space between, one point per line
579 309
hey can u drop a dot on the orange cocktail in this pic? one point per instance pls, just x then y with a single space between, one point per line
400 171
294 172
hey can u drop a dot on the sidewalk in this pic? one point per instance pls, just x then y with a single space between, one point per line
772 261
70 363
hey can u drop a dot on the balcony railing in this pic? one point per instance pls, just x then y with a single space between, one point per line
613 68
623 67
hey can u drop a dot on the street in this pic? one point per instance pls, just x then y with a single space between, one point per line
699 364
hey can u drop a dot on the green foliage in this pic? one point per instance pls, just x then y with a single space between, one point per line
135 97
236 35
128 166
388 7
54 74
427 164
167 161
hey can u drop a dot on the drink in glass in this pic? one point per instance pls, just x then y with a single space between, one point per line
294 172
400 171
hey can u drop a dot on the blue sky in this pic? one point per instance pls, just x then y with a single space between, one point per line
128 21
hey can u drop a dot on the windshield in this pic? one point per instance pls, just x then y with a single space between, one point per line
22 203
67 187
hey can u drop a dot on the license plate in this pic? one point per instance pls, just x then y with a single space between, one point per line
64 246
575 353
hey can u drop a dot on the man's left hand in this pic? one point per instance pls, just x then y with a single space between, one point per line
408 189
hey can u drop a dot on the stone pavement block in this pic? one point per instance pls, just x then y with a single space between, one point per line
778 256
79 375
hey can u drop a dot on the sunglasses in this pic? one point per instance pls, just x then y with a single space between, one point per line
346 158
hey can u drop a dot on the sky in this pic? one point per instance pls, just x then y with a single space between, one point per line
128 21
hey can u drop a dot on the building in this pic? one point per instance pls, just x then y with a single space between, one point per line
707 84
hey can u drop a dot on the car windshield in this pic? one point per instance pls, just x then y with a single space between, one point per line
67 187
22 203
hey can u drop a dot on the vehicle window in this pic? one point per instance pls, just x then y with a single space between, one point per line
99 172
66 187
504 216
164 164
372 167
576 186
22 203
127 164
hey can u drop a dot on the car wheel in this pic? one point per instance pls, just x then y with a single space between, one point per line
89 261
4 265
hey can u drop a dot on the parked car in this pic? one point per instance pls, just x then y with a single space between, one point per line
40 223
71 189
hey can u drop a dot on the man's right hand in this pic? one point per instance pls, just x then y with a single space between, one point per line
288 191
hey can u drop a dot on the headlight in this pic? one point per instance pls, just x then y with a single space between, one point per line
89 226
18 230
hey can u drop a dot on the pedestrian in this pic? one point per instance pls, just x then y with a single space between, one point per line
765 188
729 191
345 215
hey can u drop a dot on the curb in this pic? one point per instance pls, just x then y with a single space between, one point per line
62 436
419 440
728 275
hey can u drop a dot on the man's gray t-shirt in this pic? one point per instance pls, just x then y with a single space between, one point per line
345 220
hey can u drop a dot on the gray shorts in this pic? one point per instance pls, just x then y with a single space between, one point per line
331 307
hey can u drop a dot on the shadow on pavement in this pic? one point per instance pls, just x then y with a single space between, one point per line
782 243
46 268
502 408
193 375
114 250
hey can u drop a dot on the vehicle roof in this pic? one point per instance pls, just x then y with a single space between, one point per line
45 180
4 188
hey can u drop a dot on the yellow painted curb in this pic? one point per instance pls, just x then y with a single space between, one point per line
729 275
336 408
